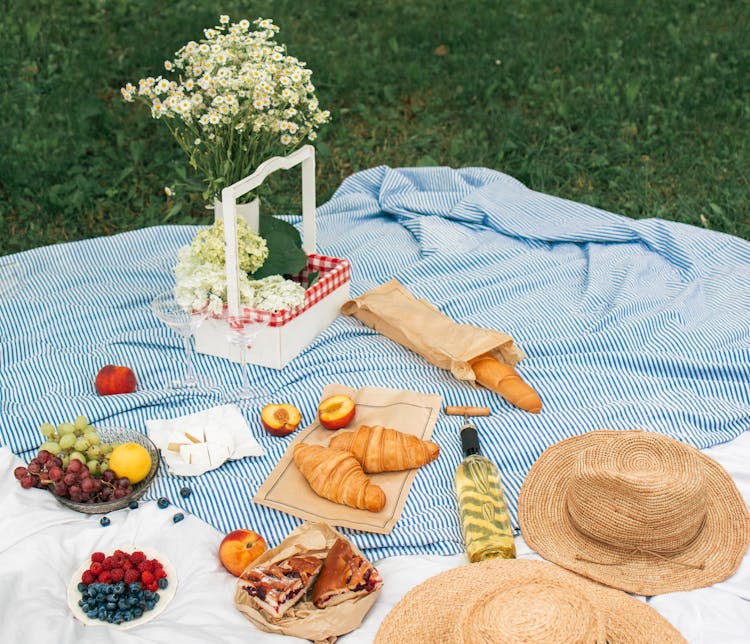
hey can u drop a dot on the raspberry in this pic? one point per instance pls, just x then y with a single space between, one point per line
146 578
127 564
117 574
131 576
88 578
108 563
145 566
153 586
96 568
98 557
105 577
120 553
159 573
137 557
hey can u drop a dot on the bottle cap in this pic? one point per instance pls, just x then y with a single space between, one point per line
469 440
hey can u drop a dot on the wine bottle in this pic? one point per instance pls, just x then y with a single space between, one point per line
484 517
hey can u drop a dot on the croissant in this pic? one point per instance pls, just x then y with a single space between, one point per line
337 476
381 449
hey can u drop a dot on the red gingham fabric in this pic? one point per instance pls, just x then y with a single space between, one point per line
334 272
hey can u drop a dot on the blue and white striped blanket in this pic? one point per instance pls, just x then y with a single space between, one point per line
626 324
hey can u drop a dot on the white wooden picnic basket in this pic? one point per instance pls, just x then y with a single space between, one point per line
288 332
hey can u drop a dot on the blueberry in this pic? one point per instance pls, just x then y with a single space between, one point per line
163 583
92 614
119 588
100 597
137 612
105 521
111 597
136 585
178 517
185 492
81 586
148 595
111 605
163 502
133 505
133 601
123 605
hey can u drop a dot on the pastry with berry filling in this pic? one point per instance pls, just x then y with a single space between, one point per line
345 575
276 588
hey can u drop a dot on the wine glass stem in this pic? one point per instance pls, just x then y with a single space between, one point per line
245 371
189 370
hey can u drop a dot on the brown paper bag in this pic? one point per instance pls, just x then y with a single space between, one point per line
407 411
304 619
392 310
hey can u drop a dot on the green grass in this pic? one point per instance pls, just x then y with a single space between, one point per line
640 108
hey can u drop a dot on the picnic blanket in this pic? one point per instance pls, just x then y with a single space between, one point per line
627 324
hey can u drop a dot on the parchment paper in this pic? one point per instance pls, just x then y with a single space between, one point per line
304 619
407 411
392 310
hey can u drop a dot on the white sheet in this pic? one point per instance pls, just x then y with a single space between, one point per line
42 543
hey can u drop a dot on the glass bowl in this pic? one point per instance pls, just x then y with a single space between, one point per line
119 435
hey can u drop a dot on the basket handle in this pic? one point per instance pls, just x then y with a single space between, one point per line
229 195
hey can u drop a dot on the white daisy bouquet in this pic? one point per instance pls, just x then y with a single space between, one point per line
237 99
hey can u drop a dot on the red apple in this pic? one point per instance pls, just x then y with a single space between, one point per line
280 420
114 379
336 412
239 549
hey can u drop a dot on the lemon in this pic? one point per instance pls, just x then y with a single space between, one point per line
130 460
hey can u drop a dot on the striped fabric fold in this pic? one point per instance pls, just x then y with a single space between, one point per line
626 325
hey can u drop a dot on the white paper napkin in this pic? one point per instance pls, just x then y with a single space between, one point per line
204 440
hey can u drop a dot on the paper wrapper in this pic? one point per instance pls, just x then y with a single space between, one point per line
407 411
392 310
304 619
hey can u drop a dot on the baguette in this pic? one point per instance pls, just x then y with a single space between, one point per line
505 381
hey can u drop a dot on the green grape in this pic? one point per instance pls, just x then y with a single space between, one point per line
81 422
93 467
93 452
51 446
106 448
79 456
82 445
66 428
65 460
67 441
104 465
92 437
48 430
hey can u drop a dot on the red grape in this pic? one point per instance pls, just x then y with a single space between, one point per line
55 473
27 482
34 467
70 478
123 482
120 492
87 485
109 476
20 472
60 489
75 466
43 456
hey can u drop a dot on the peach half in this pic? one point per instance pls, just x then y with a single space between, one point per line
280 420
336 412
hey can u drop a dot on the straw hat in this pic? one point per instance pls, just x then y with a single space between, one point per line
634 510
518 601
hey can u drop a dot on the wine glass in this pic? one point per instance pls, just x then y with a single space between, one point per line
184 322
241 330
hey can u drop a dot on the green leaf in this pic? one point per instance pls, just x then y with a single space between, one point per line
312 278
285 254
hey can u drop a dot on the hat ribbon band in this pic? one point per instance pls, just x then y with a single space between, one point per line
630 551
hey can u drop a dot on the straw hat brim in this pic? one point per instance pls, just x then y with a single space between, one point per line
546 527
459 605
